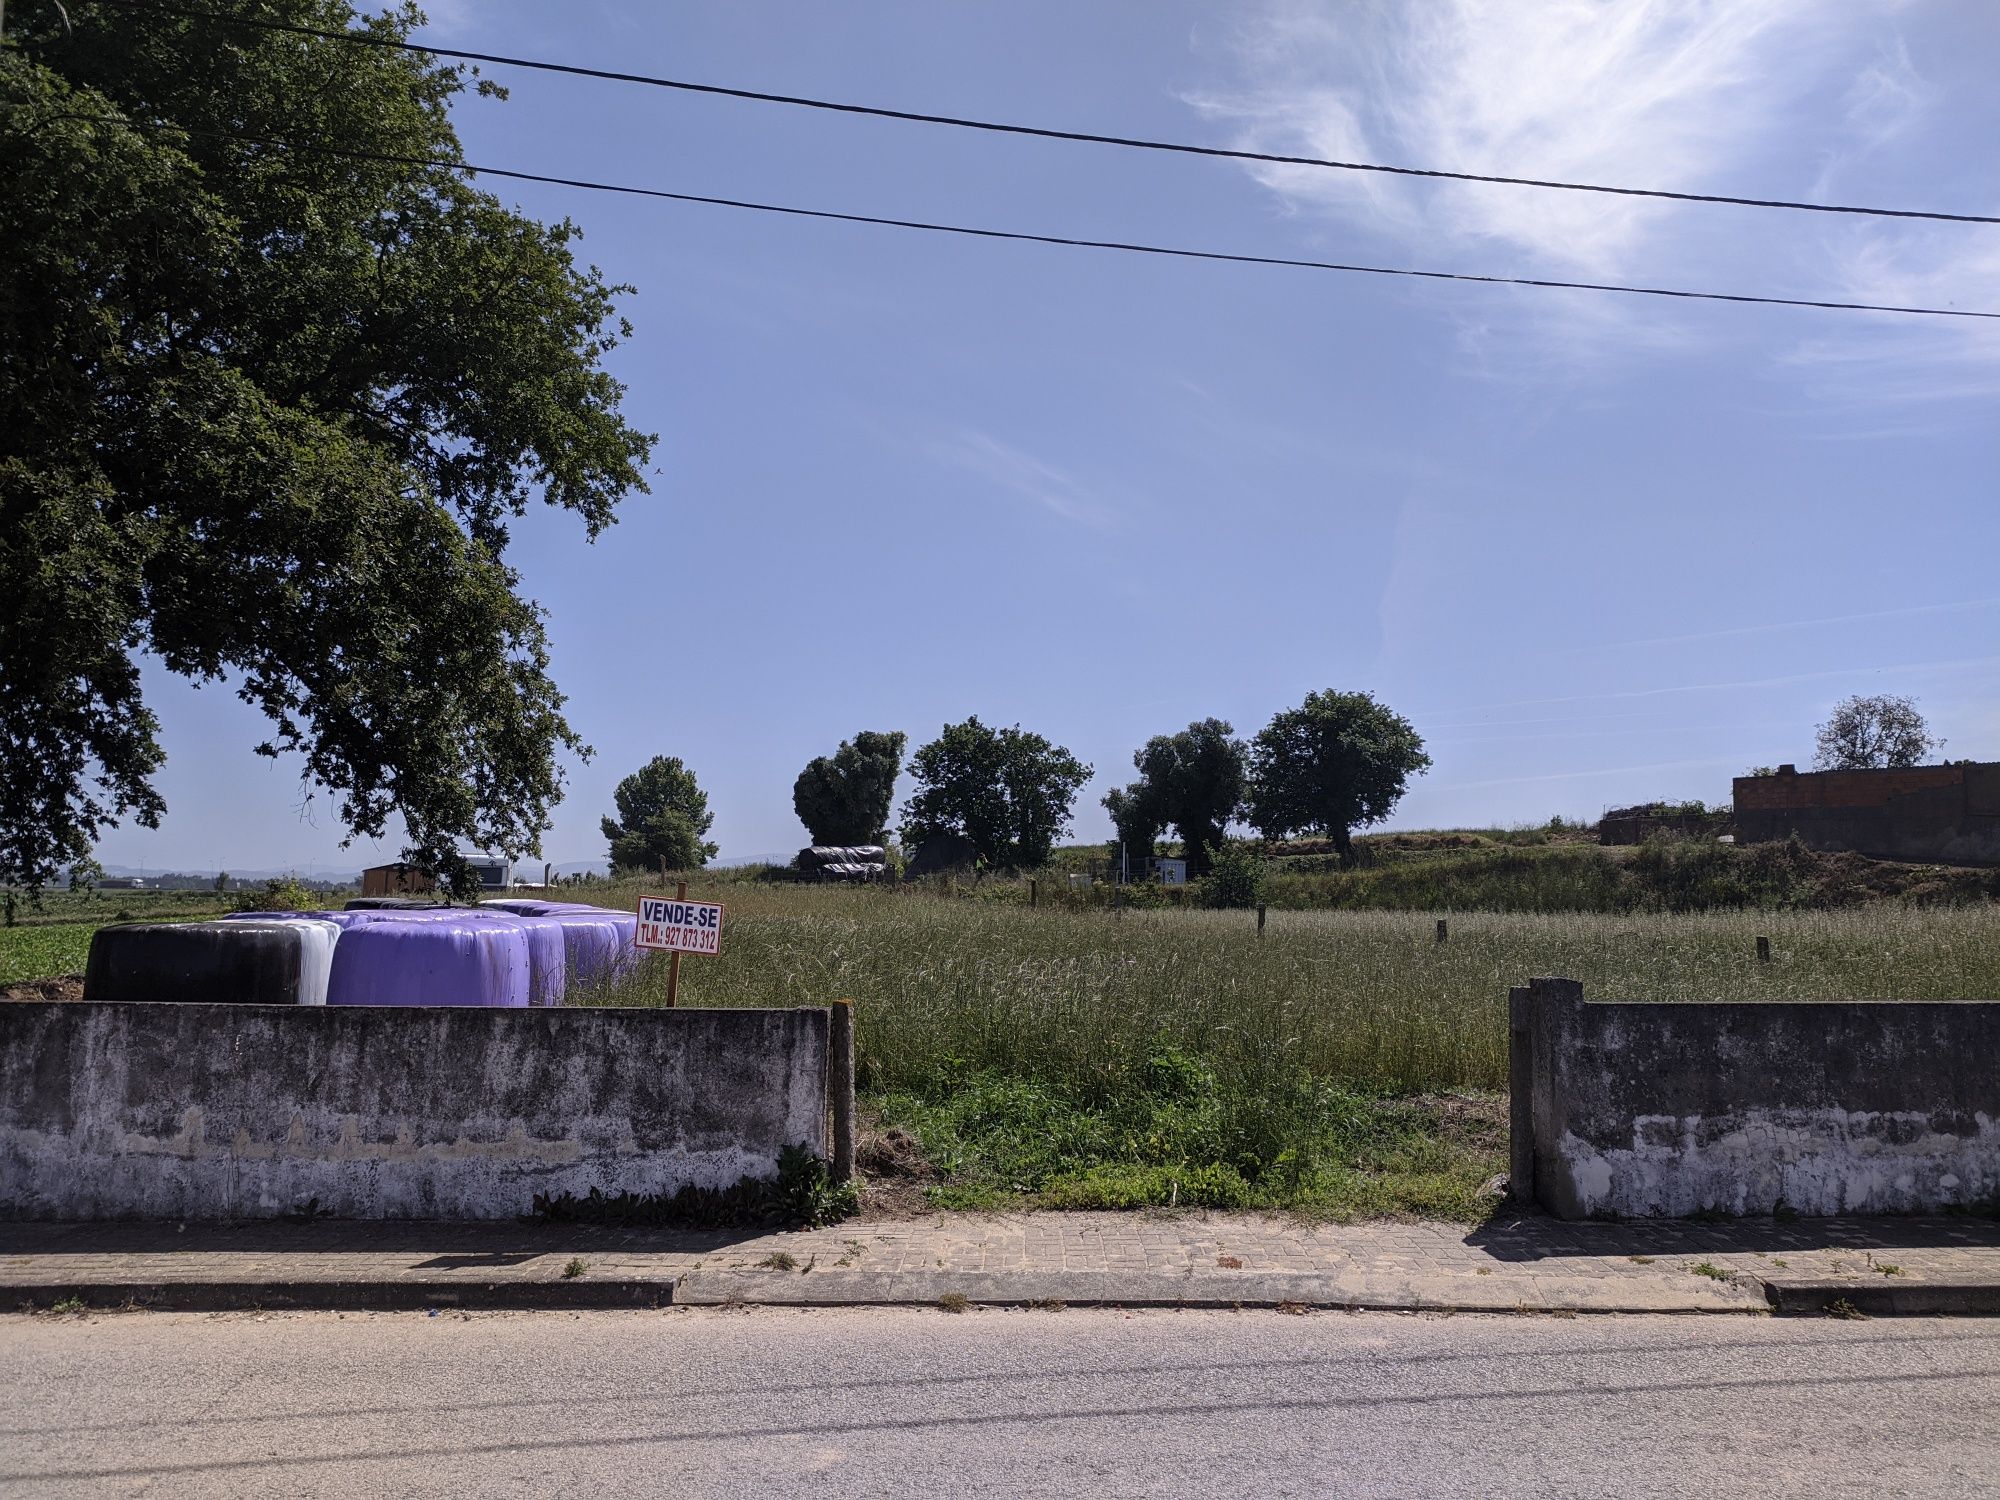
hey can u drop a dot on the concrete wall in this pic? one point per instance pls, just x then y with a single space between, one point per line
238 1111
1945 813
1823 1107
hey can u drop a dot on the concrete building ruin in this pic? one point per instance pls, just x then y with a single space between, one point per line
1946 814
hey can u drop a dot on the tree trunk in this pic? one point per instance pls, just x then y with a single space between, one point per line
1343 841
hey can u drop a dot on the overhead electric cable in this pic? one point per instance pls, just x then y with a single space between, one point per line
959 122
1025 236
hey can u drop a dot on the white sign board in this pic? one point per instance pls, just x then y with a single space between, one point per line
676 926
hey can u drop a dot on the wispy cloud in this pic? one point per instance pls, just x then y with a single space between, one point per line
1856 673
1656 93
1657 765
1906 612
1005 467
1784 98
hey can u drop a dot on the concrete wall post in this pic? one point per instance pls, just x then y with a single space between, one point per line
840 1087
1520 1096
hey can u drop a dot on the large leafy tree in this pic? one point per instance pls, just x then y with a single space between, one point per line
1193 780
1008 791
1337 762
844 798
662 816
1874 733
265 412
1136 823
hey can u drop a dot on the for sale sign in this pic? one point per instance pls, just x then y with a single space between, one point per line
676 926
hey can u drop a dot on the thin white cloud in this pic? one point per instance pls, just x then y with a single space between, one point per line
1888 96
1657 765
1005 467
1903 668
1654 93
1910 361
1785 98
1908 611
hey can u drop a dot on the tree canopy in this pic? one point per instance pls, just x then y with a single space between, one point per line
844 798
265 413
1136 823
1008 791
1337 762
1193 781
662 817
1874 733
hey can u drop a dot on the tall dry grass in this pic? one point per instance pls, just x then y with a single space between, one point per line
1082 998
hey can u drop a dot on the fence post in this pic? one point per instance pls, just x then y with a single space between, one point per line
1444 932
1763 950
1031 893
840 1086
1260 919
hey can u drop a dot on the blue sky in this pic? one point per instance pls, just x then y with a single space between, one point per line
1599 549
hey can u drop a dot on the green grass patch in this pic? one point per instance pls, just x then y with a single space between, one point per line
1345 1064
43 952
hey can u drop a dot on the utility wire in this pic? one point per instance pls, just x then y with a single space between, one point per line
1136 143
973 232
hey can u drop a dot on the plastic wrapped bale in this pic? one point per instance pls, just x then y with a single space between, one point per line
548 954
397 903
401 959
262 960
601 943
819 856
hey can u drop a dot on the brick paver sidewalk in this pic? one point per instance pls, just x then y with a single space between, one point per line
1513 1263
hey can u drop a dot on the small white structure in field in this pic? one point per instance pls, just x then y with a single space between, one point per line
1171 871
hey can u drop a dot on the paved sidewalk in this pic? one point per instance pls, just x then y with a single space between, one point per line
1515 1263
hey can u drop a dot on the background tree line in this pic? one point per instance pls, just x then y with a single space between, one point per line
1335 763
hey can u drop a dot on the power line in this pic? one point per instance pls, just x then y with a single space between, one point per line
958 122
1024 236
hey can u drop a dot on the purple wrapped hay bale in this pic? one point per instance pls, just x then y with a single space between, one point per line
402 959
599 941
548 956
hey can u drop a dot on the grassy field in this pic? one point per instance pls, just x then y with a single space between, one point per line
95 908
1345 1063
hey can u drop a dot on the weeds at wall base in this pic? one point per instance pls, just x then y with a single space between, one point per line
802 1195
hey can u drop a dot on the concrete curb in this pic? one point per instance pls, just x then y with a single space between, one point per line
723 1288
1746 1295
572 1295
1882 1297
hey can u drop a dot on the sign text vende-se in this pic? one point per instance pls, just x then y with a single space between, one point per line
677 926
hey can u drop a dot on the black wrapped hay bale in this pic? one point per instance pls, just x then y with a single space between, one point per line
241 962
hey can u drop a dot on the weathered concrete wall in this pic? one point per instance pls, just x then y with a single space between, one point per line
1946 813
1822 1107
227 1111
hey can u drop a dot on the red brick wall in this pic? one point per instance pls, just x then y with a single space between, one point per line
1840 788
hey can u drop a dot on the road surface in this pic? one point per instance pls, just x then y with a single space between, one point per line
917 1402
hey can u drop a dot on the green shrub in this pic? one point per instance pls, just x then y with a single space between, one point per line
285 893
1236 878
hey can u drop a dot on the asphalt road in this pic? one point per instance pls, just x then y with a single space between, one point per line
924 1403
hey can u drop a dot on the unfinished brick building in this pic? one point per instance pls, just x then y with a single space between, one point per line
1942 814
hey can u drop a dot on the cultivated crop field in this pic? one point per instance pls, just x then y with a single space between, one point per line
1345 1062
43 952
